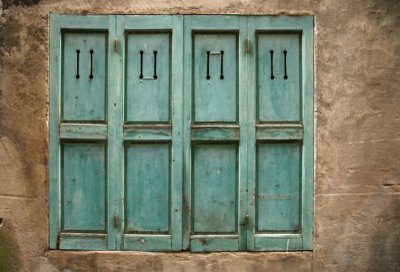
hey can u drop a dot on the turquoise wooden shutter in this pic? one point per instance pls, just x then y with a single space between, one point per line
152 133
280 133
80 185
137 164
116 132
215 172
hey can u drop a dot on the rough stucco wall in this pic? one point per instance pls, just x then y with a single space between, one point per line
357 200
357 139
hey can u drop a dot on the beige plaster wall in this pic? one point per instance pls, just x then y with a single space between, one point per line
357 139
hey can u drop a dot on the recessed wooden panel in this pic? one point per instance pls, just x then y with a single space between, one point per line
278 77
214 189
278 187
83 187
147 188
215 78
148 77
84 74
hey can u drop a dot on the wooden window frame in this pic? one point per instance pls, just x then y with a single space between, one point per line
182 137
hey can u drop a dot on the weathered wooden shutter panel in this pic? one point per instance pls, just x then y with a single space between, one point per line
278 187
83 187
213 147
152 133
278 163
280 134
214 172
147 181
148 77
78 134
83 165
215 66
83 179
278 77
214 165
84 66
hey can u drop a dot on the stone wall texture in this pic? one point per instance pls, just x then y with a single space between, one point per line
357 138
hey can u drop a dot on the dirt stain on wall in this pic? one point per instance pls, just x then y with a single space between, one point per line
9 3
9 250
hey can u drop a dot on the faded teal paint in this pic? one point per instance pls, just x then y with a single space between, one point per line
177 134
80 191
186 132
84 76
278 98
258 133
214 171
83 131
83 187
54 137
214 99
287 115
147 242
279 132
211 243
147 188
200 134
148 133
152 22
278 187
115 134
214 103
87 241
307 59
244 140
148 98
92 22
150 104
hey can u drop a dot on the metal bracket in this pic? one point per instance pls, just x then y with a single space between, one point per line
221 53
116 44
246 221
115 220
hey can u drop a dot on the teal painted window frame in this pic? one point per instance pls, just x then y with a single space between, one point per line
182 134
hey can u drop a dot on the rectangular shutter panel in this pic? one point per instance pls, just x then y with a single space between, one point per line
84 67
280 184
278 77
214 150
80 136
147 191
152 133
278 187
148 88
